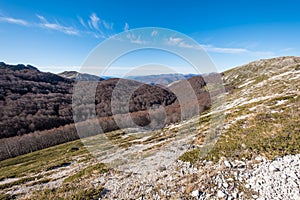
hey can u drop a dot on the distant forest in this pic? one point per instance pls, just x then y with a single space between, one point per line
36 107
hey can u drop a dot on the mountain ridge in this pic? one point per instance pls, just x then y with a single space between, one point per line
155 79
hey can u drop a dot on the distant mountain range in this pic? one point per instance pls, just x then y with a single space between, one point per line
160 79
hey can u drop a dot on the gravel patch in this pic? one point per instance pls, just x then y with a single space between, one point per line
277 179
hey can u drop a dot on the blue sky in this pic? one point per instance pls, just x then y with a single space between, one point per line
58 35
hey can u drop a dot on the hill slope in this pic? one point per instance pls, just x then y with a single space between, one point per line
31 100
38 106
266 94
262 122
79 76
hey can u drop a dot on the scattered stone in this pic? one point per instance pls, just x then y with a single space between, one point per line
230 179
235 195
272 168
277 179
221 194
195 193
162 168
242 165
244 146
260 159
225 185
227 164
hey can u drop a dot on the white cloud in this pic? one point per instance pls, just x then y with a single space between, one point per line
64 29
211 48
82 22
44 24
94 21
154 33
100 27
94 26
175 41
136 39
126 27
225 50
13 21
108 25
57 27
42 18
287 49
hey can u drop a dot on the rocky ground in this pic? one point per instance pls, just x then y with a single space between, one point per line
237 179
278 179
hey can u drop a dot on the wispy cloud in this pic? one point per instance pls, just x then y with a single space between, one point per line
42 18
99 28
226 50
287 49
211 48
174 41
64 29
154 33
126 27
81 21
136 39
108 25
93 26
94 21
96 26
43 24
57 27
180 42
12 20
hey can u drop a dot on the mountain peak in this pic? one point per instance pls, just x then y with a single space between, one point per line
74 75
